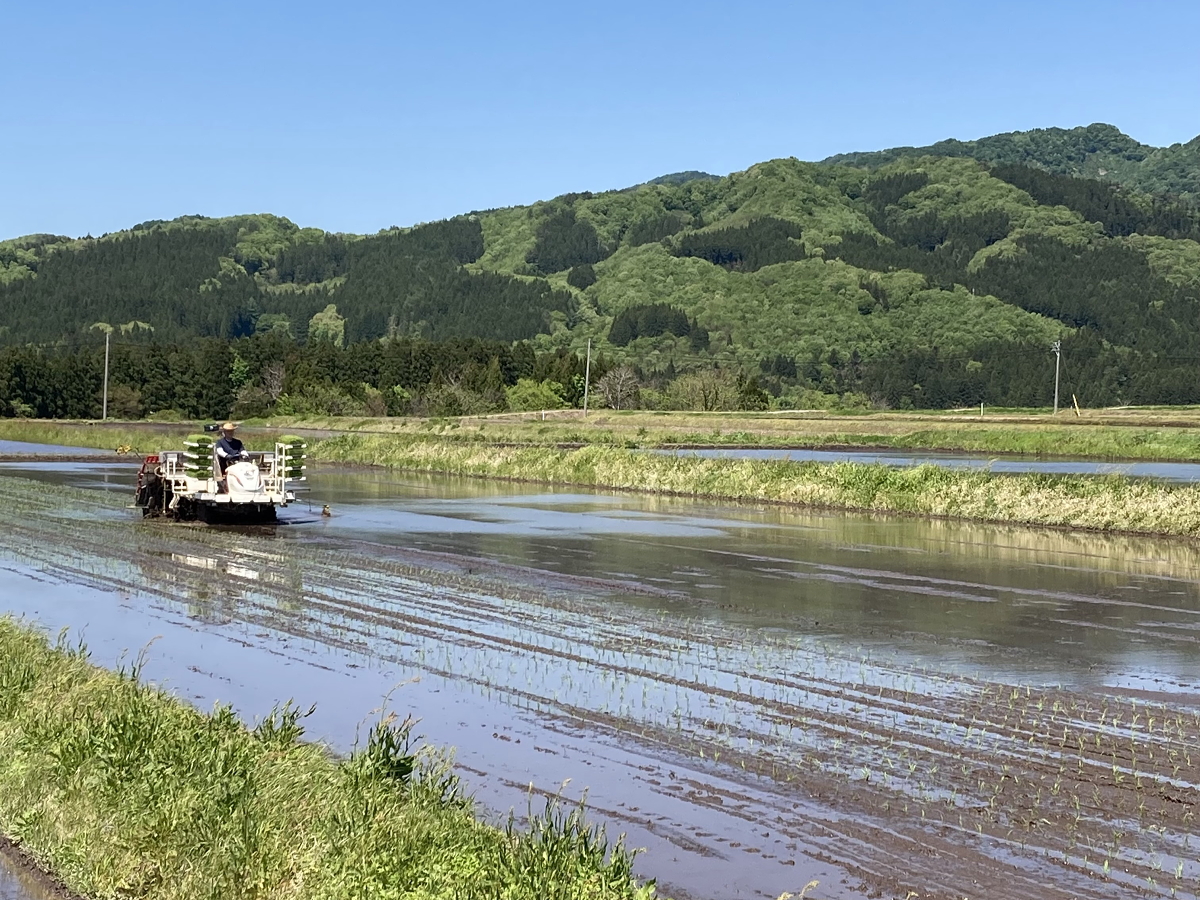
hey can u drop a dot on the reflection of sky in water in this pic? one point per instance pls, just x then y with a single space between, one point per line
525 516
25 447
92 476
1060 601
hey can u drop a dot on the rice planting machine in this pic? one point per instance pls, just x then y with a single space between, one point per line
187 485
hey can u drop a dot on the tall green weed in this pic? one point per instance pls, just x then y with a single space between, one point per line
125 791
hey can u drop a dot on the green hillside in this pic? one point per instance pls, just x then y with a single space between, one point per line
931 277
1093 151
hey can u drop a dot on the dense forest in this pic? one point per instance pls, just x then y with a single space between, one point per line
270 373
927 277
217 277
1092 151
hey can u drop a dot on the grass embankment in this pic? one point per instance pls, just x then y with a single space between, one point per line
124 791
1025 437
1108 503
1153 434
142 437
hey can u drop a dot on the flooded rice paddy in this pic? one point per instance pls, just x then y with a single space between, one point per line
757 696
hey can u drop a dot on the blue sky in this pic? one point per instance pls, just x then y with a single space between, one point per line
355 116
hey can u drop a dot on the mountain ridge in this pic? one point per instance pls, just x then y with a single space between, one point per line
1098 150
804 274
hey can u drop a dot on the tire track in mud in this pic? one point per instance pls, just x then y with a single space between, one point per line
904 778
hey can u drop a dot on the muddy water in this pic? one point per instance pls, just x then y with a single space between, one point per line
18 886
758 696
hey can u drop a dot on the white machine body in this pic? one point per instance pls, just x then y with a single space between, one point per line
243 477
187 484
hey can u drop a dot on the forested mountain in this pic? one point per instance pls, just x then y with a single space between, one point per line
681 177
1092 151
915 277
217 277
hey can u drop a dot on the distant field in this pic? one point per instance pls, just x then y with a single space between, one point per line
1157 433
1166 433
598 459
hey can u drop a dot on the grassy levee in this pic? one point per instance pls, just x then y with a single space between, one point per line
122 790
1155 434
1150 434
142 437
1109 503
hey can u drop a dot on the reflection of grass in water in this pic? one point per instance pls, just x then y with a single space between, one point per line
122 790
1110 503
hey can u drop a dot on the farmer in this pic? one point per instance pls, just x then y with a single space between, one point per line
229 449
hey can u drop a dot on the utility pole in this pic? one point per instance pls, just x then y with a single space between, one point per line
587 377
104 409
1057 348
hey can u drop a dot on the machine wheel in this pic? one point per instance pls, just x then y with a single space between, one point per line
151 496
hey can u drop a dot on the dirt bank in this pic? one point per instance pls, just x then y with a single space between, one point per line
36 881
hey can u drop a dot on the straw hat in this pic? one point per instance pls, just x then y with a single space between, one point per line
228 426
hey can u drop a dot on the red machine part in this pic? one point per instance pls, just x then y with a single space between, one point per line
147 463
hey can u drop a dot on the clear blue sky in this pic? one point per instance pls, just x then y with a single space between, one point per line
354 116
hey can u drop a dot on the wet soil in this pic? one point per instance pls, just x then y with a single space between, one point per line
759 697
21 878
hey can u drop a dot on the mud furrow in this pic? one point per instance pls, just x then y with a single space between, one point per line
906 778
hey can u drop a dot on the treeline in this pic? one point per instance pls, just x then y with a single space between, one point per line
761 242
271 374
1011 374
1097 149
652 320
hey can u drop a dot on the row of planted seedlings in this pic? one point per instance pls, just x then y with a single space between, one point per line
65 526
700 695
983 758
1013 764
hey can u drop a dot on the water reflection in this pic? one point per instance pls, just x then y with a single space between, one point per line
18 885
1058 604
551 631
25 447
